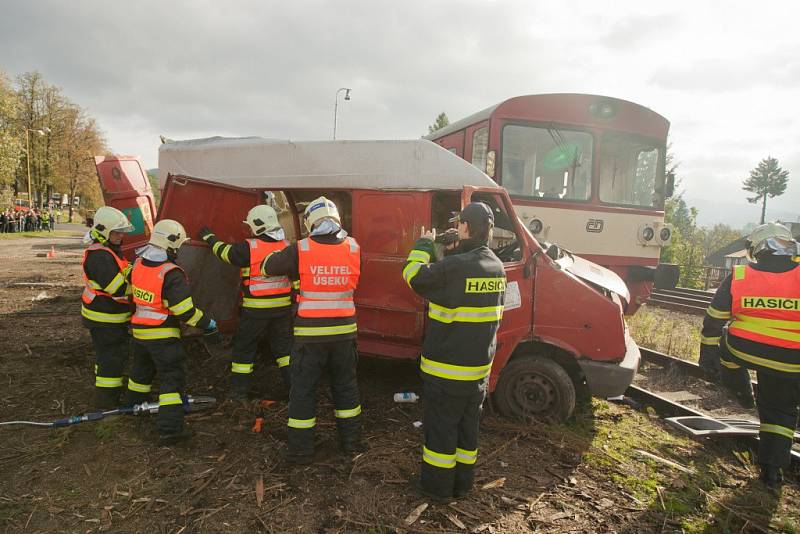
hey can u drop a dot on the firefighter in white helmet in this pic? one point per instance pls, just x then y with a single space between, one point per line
753 323
328 265
106 302
163 300
266 312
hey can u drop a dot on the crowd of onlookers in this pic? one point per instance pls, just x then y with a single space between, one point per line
35 220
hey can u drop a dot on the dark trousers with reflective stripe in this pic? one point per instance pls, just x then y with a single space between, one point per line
450 423
277 331
777 398
111 345
309 361
167 358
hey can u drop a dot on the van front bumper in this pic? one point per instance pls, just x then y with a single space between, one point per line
612 379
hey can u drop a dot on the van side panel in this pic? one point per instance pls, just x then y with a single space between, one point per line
390 315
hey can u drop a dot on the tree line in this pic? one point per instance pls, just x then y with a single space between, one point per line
42 130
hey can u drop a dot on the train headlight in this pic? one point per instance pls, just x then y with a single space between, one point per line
535 226
665 234
648 234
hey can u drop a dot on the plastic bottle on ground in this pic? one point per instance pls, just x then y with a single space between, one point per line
406 396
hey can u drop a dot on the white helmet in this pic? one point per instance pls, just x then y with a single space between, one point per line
771 236
319 209
108 219
168 234
262 219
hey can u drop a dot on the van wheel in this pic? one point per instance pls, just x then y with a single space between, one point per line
535 388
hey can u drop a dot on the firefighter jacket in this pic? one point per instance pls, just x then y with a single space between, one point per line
328 268
760 304
261 296
465 293
163 299
105 297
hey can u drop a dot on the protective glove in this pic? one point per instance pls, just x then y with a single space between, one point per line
211 334
205 233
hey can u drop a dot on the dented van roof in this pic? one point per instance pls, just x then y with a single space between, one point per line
254 162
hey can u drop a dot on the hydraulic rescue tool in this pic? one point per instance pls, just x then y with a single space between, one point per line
190 404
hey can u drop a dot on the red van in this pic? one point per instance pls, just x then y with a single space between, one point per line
562 328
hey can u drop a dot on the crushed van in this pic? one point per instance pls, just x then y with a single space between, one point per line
562 328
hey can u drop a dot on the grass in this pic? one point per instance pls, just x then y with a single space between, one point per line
54 233
674 333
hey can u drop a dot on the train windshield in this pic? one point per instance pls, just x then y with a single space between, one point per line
630 171
547 162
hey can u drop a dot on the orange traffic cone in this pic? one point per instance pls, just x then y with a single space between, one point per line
52 253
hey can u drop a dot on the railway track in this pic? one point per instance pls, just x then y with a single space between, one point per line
682 299
664 402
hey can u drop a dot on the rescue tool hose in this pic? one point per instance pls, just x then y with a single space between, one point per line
190 404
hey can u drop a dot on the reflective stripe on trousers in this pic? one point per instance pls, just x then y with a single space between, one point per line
108 382
155 333
345 414
169 399
454 372
438 459
302 423
139 388
325 330
100 317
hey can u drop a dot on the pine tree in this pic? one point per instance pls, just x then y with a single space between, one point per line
440 122
766 180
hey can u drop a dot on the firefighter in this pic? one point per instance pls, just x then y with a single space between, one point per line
465 291
106 303
760 302
266 301
328 265
163 299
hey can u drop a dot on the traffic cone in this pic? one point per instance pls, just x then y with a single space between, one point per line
52 253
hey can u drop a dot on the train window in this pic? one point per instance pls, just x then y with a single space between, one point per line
342 200
480 146
546 162
629 171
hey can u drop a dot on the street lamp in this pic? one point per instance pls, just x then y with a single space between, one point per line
336 106
41 133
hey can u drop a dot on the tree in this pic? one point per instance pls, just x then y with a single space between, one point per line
440 122
10 148
766 180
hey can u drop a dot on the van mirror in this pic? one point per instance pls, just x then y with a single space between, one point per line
669 186
553 252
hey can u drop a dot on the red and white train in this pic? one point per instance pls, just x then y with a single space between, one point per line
584 171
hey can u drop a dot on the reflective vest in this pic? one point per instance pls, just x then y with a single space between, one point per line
766 306
328 277
151 309
92 289
277 287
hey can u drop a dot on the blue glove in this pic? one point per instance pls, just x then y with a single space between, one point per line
211 335
212 325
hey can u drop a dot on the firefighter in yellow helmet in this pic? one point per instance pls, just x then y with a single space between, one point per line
266 300
328 265
163 300
753 323
106 302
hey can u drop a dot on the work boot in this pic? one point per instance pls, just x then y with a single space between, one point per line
771 477
416 485
175 438
106 398
296 459
351 448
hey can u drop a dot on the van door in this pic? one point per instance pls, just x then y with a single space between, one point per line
390 315
196 203
125 186
510 245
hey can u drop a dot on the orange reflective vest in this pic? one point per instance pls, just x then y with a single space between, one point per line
262 286
148 283
92 289
766 306
328 277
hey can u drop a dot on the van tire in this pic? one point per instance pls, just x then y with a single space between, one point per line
535 388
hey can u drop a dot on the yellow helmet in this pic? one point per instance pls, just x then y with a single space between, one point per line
261 219
168 234
319 209
108 219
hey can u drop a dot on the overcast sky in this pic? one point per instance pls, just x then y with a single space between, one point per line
726 74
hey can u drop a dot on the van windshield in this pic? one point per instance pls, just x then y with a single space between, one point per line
547 162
